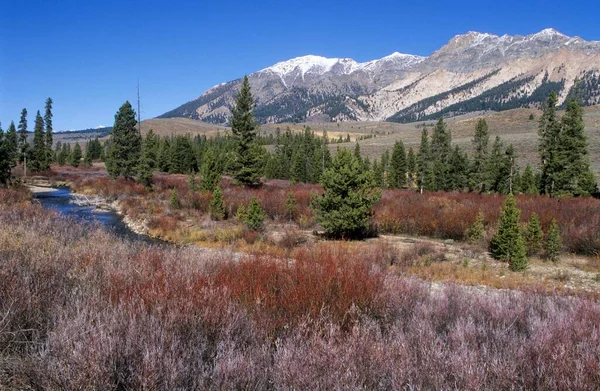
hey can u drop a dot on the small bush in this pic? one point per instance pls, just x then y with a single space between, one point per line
216 207
175 199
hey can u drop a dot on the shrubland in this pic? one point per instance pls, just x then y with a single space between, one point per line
82 309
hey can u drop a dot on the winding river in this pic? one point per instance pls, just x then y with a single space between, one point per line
61 200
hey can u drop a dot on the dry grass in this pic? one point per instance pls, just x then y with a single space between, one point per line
82 309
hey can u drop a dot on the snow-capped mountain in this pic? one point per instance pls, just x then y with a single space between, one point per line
474 71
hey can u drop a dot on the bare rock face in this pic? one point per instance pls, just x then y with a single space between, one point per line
473 72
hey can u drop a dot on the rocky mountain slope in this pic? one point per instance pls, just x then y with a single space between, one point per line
473 72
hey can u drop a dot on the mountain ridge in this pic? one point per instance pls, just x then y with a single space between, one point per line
472 72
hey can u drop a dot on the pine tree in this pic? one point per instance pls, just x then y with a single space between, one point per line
39 152
344 210
378 176
398 167
476 232
573 175
458 170
244 128
425 176
478 178
529 183
441 151
216 207
553 242
23 144
164 155
76 155
49 137
411 165
63 155
535 236
125 144
209 172
290 205
549 132
5 160
255 216
87 157
149 149
12 144
494 166
508 244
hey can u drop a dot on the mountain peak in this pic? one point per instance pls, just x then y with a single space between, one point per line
548 33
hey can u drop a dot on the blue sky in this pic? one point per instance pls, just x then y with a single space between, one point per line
89 55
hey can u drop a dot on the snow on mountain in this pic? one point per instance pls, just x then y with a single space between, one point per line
472 70
319 65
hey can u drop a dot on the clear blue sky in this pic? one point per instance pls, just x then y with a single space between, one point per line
89 55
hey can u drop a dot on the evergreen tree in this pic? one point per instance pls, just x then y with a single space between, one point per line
441 151
23 144
216 207
76 155
378 176
549 132
209 172
529 183
87 157
508 244
39 152
12 144
244 127
5 160
573 175
254 216
459 170
553 242
63 155
125 145
290 205
344 210
478 178
49 137
411 165
495 166
164 155
398 167
425 176
535 236
182 156
476 232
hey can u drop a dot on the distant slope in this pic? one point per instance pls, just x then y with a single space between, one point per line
472 72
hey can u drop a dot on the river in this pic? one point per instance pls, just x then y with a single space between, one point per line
61 200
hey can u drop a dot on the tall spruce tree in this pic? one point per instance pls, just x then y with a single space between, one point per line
76 155
23 144
549 132
398 167
425 175
12 143
573 175
345 208
441 151
5 160
246 168
411 166
125 144
209 172
508 243
39 152
49 137
478 178
459 169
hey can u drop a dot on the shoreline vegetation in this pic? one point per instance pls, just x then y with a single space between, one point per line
85 309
